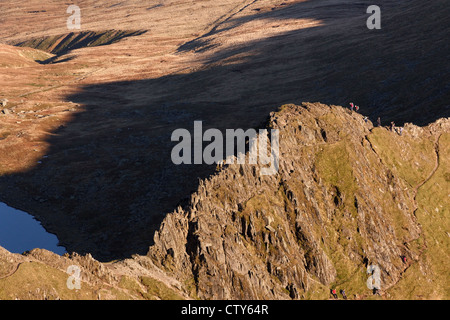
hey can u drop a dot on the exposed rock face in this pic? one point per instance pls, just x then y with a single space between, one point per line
345 197
333 208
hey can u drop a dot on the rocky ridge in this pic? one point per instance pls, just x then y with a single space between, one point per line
347 195
333 208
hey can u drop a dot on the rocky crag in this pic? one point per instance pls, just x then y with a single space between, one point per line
347 195
85 135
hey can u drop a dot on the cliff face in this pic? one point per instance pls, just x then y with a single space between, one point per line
347 195
343 199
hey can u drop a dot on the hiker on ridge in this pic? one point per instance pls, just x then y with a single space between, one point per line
333 292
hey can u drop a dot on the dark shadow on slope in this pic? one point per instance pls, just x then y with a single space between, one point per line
62 44
326 11
399 72
109 180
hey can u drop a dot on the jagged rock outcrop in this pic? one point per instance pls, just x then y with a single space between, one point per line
333 208
347 195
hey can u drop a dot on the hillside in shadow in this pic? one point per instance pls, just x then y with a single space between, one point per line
109 180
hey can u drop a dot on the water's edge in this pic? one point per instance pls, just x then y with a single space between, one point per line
20 232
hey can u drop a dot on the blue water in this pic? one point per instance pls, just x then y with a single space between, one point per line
20 232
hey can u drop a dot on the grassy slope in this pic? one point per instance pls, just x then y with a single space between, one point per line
34 280
38 281
428 279
414 160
